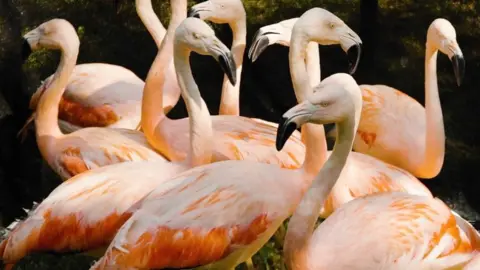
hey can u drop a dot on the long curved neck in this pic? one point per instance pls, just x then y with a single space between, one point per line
46 121
152 100
313 64
435 133
313 135
302 223
230 100
201 131
150 20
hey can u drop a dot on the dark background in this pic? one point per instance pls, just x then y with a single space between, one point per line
393 33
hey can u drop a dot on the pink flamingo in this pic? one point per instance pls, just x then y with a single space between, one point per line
399 230
74 153
105 95
220 214
84 212
233 13
394 127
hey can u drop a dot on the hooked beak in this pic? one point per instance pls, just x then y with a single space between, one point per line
30 43
196 9
26 50
291 120
285 129
194 13
227 63
458 67
259 44
353 54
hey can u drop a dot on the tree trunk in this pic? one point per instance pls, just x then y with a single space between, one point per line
368 33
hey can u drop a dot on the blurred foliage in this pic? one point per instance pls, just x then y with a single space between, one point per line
395 45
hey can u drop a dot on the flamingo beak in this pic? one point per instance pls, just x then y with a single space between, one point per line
227 63
458 67
353 54
259 44
291 120
26 50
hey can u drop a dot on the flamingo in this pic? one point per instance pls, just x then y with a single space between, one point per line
87 148
84 212
220 214
105 95
399 230
233 13
394 127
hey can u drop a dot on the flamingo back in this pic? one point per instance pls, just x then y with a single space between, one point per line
365 175
100 95
91 148
392 127
397 229
85 212
235 138
220 214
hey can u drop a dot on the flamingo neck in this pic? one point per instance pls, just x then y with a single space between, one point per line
313 135
162 68
302 223
201 131
312 62
150 20
230 100
435 131
46 120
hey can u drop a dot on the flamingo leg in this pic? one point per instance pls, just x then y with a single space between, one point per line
249 264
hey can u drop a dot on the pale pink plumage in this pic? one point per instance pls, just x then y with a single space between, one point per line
474 264
389 231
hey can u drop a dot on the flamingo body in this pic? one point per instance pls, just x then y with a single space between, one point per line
220 214
90 148
364 175
236 138
399 230
99 95
392 127
84 212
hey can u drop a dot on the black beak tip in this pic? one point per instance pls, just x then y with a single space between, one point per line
193 13
458 68
26 50
284 131
261 43
227 63
354 53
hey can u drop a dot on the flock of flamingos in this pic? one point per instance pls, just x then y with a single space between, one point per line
143 191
